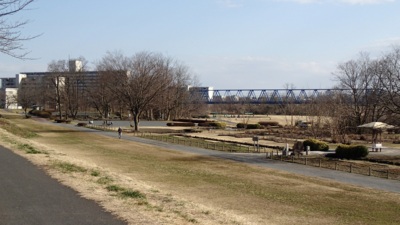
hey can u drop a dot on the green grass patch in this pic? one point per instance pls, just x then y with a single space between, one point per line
115 188
132 194
66 167
125 193
28 149
95 173
105 180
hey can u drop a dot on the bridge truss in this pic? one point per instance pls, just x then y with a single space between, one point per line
263 96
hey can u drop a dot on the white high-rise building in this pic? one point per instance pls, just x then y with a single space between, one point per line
75 65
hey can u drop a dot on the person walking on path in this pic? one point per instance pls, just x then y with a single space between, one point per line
119 132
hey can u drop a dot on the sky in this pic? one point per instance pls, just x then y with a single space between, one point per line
226 44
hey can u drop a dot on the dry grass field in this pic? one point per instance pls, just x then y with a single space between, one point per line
143 184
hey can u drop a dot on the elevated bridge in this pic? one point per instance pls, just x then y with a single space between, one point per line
262 96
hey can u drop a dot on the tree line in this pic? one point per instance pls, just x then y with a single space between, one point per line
152 86
372 94
146 85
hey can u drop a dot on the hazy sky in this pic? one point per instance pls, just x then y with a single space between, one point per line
248 44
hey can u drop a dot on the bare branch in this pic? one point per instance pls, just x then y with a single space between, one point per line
10 35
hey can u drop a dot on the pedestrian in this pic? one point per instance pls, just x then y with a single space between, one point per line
119 132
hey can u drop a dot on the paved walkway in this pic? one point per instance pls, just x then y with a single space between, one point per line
260 160
29 196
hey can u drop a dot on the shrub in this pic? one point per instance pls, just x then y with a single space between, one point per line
268 123
315 145
351 151
181 124
241 125
193 120
248 126
217 125
81 124
40 113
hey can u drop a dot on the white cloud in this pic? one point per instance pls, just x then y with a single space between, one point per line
383 43
378 47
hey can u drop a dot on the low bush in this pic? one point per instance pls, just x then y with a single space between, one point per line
248 126
315 145
217 125
269 123
351 151
181 124
81 124
62 121
193 120
40 113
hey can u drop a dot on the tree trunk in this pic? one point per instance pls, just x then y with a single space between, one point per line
136 121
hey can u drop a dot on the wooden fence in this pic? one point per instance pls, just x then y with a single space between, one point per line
335 164
275 154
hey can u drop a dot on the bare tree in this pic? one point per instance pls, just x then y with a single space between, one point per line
10 35
150 76
113 71
359 77
101 94
26 95
11 100
139 80
75 86
56 81
288 105
175 100
388 72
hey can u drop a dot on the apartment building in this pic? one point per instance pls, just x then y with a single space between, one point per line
42 80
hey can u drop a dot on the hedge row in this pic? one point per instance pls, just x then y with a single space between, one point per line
351 151
248 126
193 120
315 145
218 125
181 124
269 123
40 113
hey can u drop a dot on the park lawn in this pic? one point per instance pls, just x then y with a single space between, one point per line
183 188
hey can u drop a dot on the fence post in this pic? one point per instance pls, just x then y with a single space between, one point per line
292 158
369 171
351 168
387 174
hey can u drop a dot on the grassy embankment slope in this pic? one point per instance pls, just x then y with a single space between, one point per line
147 184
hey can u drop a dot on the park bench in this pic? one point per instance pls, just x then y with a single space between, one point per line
377 146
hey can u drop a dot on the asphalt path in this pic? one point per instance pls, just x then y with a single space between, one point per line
29 196
259 159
